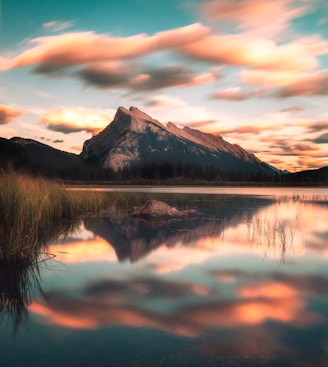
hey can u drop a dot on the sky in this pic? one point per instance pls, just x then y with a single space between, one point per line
253 71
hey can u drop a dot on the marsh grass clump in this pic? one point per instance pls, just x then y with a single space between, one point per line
36 210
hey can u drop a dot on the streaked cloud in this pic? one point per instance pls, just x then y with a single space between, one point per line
288 147
101 75
195 41
86 47
250 129
255 15
57 25
270 78
169 76
142 79
164 100
322 139
236 94
245 50
288 84
292 109
314 84
317 126
312 162
8 114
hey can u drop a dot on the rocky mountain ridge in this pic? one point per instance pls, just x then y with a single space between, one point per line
134 137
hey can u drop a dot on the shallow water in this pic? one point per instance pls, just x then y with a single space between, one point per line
243 284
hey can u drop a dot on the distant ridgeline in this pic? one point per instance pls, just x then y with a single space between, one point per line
134 146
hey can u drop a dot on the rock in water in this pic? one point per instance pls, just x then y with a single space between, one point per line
153 209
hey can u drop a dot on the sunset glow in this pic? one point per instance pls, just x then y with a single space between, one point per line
253 71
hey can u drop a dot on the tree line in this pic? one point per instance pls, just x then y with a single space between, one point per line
151 171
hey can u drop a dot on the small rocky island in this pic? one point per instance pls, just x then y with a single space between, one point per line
154 209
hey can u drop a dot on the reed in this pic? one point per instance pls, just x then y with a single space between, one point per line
35 210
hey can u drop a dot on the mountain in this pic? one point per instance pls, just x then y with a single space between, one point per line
34 157
134 138
315 175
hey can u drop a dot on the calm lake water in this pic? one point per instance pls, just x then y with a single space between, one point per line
243 284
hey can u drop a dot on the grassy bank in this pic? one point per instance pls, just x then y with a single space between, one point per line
34 210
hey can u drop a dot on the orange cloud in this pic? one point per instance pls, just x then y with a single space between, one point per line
69 120
270 79
87 47
4 63
7 114
312 162
243 49
196 41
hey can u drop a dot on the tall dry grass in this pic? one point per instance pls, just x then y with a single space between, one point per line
33 210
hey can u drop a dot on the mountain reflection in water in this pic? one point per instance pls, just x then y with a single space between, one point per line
134 238
245 283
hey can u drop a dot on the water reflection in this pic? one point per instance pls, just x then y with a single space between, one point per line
245 283
127 303
134 238
274 228
20 274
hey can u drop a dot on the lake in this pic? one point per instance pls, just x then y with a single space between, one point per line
244 283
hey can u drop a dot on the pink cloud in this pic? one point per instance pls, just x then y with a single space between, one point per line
312 84
7 114
255 15
288 84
